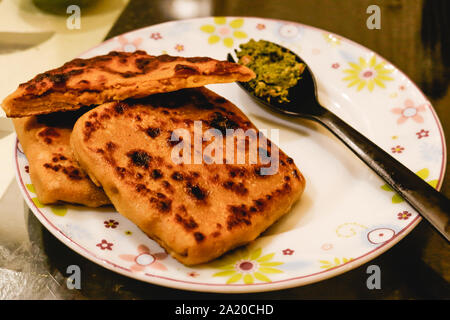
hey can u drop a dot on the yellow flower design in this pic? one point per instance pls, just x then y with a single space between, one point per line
247 266
367 73
332 264
224 31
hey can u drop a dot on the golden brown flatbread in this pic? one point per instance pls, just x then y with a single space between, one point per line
55 174
116 76
195 211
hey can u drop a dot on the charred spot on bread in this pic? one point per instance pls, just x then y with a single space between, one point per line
198 59
156 174
238 215
187 223
216 234
177 176
55 168
237 188
139 158
153 132
145 63
49 132
166 58
119 107
222 123
237 172
295 174
111 146
72 173
242 214
90 127
163 206
199 237
121 171
196 191
185 70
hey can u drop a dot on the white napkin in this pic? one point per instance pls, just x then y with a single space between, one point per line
7 140
13 216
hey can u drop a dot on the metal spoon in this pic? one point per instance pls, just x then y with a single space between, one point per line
303 102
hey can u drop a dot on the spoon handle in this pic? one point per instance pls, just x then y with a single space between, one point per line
431 204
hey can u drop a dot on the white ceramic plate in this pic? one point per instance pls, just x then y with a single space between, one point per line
347 215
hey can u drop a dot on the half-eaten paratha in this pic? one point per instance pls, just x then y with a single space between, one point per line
116 76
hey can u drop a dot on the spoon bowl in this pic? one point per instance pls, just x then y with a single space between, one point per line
305 91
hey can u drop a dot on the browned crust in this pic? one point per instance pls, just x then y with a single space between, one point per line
116 76
196 212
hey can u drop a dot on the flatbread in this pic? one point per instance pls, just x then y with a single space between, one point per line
55 174
196 212
116 76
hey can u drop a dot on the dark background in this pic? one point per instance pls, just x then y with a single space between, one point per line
414 36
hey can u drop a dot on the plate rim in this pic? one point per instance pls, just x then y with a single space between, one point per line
240 288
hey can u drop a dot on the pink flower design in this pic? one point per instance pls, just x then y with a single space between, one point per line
105 245
403 215
288 252
422 134
127 46
401 87
397 149
327 246
179 47
335 65
156 36
409 111
111 223
193 274
145 259
260 26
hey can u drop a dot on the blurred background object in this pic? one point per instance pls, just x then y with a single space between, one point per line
185 9
60 6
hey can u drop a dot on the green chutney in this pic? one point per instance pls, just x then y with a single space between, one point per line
276 70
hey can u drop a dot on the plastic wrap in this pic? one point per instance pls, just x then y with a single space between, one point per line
24 275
